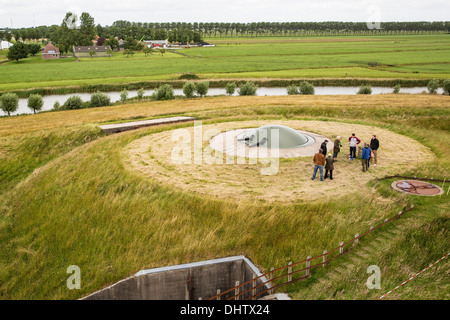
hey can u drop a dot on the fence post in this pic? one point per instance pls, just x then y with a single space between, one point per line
218 294
325 253
356 238
290 271
271 279
308 265
253 287
341 247
236 291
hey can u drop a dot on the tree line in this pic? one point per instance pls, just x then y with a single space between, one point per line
186 31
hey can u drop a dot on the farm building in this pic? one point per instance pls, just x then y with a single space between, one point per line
50 52
5 45
156 43
100 51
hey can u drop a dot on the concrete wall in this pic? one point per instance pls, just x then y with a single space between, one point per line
87 55
183 282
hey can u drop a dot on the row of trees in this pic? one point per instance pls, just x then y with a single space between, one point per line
74 31
184 31
9 102
180 31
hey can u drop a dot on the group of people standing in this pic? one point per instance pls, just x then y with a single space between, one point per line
321 161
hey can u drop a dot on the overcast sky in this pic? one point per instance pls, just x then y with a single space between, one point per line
29 13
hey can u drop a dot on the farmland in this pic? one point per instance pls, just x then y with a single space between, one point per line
376 57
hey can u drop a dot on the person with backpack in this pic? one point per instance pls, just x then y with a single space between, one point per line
323 146
353 142
365 156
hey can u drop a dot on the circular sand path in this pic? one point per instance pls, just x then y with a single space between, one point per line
176 159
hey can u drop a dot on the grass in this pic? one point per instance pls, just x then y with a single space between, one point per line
400 251
81 205
396 57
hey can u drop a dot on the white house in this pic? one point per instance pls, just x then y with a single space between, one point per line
5 45
156 43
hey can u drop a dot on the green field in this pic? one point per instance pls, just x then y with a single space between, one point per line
66 198
382 57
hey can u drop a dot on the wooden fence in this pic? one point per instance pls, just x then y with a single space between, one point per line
288 274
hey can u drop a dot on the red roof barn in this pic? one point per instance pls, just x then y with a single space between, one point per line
50 52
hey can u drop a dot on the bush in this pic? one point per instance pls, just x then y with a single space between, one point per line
292 90
365 90
73 103
9 102
56 106
18 51
188 76
86 104
140 93
164 92
128 52
306 88
35 102
230 88
248 89
202 88
446 86
99 99
189 89
124 95
34 48
432 86
396 89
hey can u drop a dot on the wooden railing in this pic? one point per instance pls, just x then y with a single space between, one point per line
251 290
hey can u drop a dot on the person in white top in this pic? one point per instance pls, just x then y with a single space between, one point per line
353 141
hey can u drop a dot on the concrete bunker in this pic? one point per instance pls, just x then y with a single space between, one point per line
275 136
192 281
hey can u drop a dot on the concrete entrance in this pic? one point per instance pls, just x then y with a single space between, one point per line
192 281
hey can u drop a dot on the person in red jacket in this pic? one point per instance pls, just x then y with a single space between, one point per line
353 142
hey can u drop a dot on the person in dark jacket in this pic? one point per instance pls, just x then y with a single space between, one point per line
329 166
323 146
337 147
374 145
365 156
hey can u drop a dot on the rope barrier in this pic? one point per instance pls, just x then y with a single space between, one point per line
415 276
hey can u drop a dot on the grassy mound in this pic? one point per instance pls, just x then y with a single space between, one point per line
75 203
241 179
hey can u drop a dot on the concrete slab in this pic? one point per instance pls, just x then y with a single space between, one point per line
226 142
119 127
